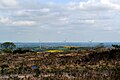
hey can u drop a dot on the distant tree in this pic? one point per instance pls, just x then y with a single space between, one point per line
18 50
116 46
21 51
8 47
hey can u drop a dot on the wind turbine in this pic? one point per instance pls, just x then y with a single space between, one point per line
90 43
65 41
39 44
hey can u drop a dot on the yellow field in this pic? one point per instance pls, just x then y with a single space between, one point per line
54 51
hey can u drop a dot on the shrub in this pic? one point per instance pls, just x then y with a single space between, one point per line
7 51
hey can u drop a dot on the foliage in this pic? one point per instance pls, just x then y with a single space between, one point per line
100 64
8 47
116 46
7 51
21 51
72 47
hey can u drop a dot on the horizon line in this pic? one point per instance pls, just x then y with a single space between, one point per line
58 41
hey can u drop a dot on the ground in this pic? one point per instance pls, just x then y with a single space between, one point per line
92 64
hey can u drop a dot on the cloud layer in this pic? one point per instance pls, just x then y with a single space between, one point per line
54 21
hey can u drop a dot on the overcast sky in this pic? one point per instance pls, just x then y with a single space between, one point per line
57 20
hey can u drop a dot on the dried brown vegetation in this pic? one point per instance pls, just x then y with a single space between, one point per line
99 64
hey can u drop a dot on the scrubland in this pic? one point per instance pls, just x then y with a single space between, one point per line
88 64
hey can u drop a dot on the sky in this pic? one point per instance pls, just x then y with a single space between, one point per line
59 20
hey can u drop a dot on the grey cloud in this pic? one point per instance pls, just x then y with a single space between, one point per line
75 18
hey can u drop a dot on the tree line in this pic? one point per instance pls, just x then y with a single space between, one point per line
10 47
